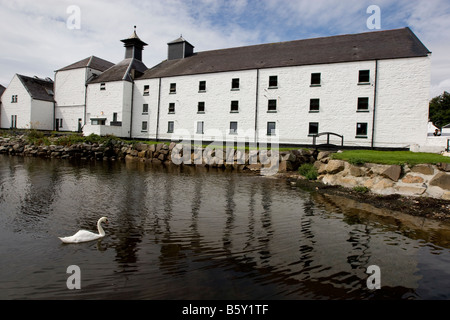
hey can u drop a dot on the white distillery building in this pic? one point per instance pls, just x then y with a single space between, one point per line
28 103
70 92
370 90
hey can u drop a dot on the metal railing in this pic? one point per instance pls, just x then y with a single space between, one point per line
328 134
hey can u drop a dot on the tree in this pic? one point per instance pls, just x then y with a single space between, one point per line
440 110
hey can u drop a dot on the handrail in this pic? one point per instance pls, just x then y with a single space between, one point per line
328 134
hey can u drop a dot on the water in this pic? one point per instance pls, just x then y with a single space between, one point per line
186 233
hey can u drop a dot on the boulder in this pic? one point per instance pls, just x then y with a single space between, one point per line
412 179
357 171
411 191
335 166
425 169
441 180
444 166
285 166
323 155
393 173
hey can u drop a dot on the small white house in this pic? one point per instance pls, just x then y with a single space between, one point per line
70 92
28 103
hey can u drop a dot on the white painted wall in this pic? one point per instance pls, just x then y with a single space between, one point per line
41 115
70 96
104 103
22 108
139 116
338 94
403 102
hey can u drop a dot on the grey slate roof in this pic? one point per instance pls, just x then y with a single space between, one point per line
92 62
446 126
2 89
39 89
121 71
377 45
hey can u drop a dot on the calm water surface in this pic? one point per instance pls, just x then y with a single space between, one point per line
186 233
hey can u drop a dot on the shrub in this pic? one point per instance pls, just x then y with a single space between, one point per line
308 171
361 189
356 161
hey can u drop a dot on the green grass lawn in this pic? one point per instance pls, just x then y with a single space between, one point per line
389 157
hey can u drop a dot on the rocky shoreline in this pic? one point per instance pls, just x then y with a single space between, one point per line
422 190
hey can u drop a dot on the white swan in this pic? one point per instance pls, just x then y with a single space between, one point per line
85 236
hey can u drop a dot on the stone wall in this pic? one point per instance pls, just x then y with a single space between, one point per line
420 180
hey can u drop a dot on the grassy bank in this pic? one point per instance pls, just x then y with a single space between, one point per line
390 157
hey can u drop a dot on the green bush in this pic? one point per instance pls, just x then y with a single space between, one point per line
361 189
308 171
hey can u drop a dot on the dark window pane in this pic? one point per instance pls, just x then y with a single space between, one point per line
314 105
202 86
363 103
271 126
273 81
364 76
272 105
361 129
233 127
315 79
173 87
201 107
235 84
234 106
313 128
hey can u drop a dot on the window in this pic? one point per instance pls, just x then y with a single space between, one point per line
272 107
173 88
201 107
115 117
313 128
271 127
316 79
98 122
145 108
202 86
14 99
235 85
144 126
314 105
172 107
233 127
58 124
234 106
364 76
102 86
146 90
363 104
200 127
170 127
273 81
361 130
14 122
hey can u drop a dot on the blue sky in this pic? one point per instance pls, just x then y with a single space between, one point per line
36 40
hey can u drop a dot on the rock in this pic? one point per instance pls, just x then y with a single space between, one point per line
335 166
383 187
446 195
393 172
411 191
288 156
162 157
142 154
425 169
172 145
141 147
444 166
285 166
441 180
254 167
356 171
323 155
412 179
152 148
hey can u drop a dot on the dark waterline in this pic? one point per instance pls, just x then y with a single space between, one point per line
187 233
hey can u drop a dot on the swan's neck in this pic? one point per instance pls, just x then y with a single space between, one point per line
100 229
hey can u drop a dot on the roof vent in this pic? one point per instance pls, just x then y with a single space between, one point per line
180 49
